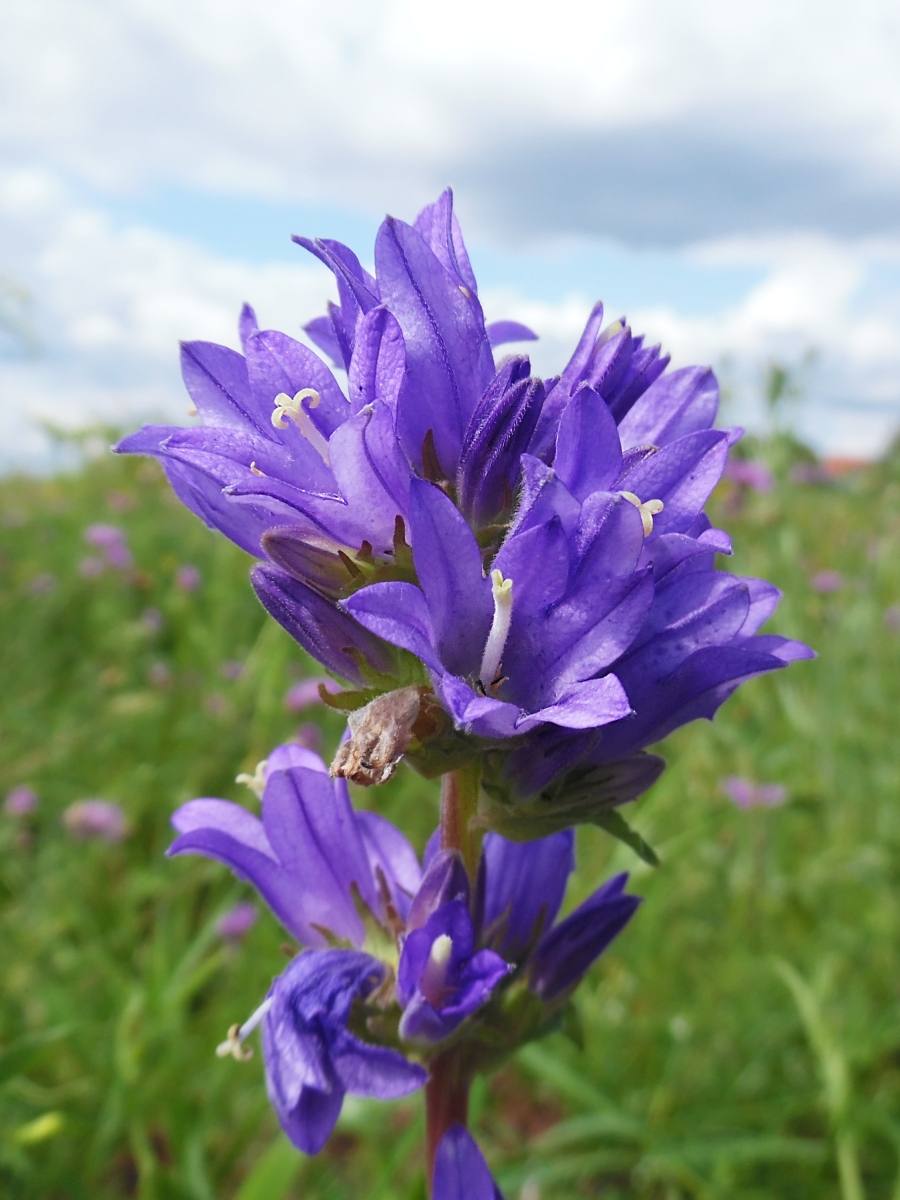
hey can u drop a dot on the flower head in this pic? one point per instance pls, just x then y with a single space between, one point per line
312 1058
101 819
21 801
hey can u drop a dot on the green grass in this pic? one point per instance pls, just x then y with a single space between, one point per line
742 1039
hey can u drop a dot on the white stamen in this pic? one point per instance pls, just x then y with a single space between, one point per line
192 410
647 508
254 469
238 1034
286 407
257 781
501 590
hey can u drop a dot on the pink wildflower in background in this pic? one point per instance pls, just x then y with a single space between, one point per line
892 617
827 581
100 819
237 922
188 578
111 541
20 801
749 473
747 794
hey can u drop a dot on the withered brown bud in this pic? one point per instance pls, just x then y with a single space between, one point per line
379 736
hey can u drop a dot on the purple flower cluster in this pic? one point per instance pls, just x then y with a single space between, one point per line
395 959
533 550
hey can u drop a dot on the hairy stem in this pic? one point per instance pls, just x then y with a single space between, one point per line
459 804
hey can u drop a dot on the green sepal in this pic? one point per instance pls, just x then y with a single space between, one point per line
585 796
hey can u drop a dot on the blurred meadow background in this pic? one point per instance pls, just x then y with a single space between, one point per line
727 177
742 1040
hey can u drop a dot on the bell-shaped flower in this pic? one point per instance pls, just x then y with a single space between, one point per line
442 978
312 857
311 1057
507 656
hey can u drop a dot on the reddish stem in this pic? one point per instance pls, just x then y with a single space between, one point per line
446 1102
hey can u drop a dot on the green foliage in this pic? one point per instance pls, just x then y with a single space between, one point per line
742 1039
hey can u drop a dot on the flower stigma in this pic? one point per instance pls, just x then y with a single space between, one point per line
501 589
647 508
238 1034
286 407
434 977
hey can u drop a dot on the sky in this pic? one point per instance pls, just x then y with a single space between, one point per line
727 176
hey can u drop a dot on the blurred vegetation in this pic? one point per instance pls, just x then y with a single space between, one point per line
740 1041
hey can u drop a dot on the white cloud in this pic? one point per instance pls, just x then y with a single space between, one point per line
374 102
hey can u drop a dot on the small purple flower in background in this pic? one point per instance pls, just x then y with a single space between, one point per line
747 794
305 694
749 473
892 617
20 801
460 1172
188 578
101 819
237 922
827 581
231 670
111 540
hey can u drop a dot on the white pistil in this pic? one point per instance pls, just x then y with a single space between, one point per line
433 981
257 781
501 590
238 1034
254 469
286 407
647 508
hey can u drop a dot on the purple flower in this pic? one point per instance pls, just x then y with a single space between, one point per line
521 888
747 794
464 627
20 801
41 584
310 855
827 581
460 1172
312 1059
237 922
750 473
442 979
101 819
188 578
892 617
111 540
